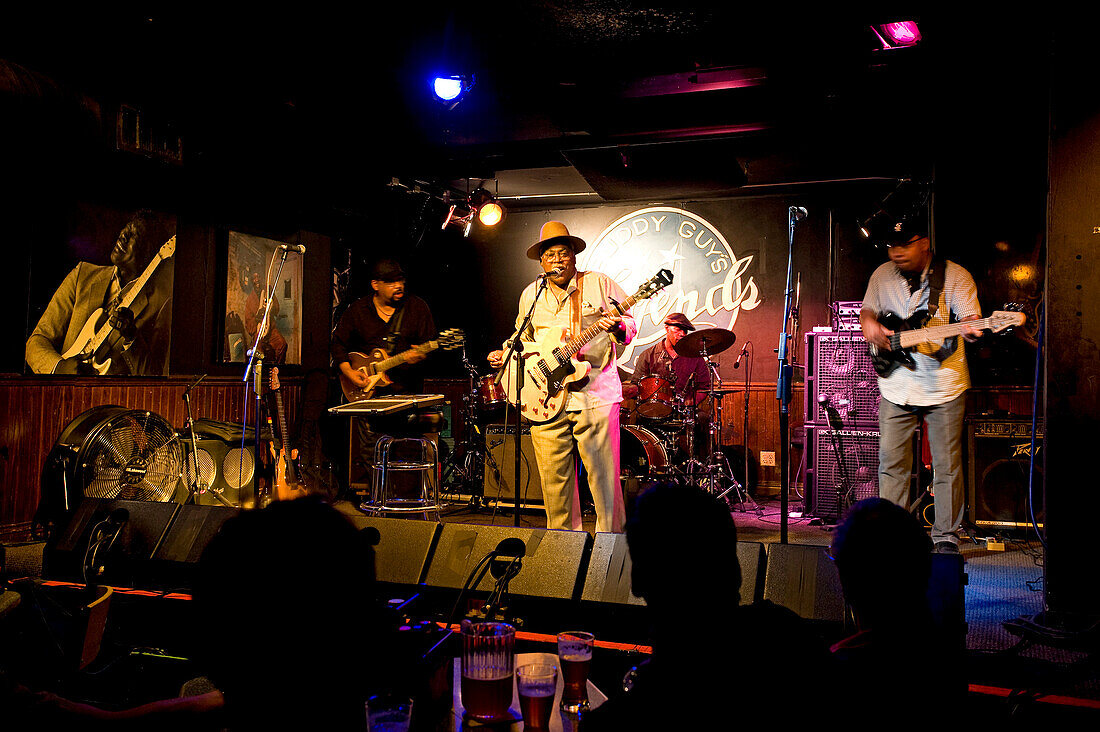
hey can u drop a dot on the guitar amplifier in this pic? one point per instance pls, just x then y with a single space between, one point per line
846 315
998 456
825 474
500 465
840 376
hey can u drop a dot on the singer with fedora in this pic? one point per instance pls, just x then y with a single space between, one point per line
574 300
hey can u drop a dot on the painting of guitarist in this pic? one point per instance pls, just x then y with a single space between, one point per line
918 289
112 318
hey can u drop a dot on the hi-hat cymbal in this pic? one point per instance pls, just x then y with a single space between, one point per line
715 340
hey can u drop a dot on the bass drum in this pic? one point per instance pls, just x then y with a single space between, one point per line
641 453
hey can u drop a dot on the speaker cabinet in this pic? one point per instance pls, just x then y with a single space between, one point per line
404 547
998 452
839 375
553 566
500 472
225 468
803 579
826 474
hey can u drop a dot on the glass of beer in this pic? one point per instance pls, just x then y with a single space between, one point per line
536 683
488 659
575 655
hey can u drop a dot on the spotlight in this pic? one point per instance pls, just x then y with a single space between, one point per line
450 90
489 210
899 34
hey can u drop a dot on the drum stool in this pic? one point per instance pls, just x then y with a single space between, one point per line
404 454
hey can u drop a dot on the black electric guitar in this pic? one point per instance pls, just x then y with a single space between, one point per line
549 367
910 332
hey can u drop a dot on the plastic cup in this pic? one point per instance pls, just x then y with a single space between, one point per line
575 656
536 683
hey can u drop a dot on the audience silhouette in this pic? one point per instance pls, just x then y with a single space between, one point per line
710 654
884 558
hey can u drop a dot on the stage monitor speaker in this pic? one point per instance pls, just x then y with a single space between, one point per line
553 566
825 474
998 452
803 579
839 375
608 575
145 523
224 467
404 547
502 449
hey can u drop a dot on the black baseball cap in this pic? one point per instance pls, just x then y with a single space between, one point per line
387 270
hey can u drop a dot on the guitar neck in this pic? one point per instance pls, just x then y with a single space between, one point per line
389 363
124 302
910 338
279 414
576 344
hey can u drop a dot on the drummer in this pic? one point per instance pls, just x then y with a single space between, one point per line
684 374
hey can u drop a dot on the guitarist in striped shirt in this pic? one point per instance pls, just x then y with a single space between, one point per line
917 289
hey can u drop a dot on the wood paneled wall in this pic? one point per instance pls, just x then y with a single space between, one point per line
35 411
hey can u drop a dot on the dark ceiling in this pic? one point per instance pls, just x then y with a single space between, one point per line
336 101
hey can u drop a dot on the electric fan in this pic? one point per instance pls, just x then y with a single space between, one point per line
117 453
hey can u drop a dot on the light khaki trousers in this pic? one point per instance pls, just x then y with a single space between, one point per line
595 434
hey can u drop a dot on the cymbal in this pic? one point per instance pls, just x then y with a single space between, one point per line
715 340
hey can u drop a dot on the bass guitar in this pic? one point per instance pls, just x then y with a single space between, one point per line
375 364
288 483
89 344
909 332
549 366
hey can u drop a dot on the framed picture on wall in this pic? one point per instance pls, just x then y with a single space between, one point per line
252 273
100 293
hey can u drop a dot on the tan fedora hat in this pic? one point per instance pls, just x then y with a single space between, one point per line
554 232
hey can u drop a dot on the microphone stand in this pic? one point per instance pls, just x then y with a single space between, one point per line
256 360
515 351
783 385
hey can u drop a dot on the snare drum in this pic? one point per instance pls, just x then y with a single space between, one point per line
641 453
656 397
490 392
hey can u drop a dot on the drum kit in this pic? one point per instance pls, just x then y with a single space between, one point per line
658 435
662 431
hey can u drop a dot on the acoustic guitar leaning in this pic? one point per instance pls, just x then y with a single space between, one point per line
375 364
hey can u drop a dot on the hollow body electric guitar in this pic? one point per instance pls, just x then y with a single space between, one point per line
909 332
375 364
92 344
288 483
549 366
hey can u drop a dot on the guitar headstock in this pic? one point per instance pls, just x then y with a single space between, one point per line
654 284
275 378
1004 319
168 249
451 339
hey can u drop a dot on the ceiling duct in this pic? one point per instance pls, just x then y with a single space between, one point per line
681 169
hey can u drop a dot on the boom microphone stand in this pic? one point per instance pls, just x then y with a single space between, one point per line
783 385
515 354
256 357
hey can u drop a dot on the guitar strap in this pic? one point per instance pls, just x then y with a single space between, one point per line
394 331
937 273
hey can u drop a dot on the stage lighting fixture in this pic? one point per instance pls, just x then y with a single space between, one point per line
489 210
451 89
899 34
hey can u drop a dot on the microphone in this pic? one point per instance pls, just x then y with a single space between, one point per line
552 273
512 549
799 212
301 248
744 351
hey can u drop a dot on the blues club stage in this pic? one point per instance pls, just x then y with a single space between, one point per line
559 366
